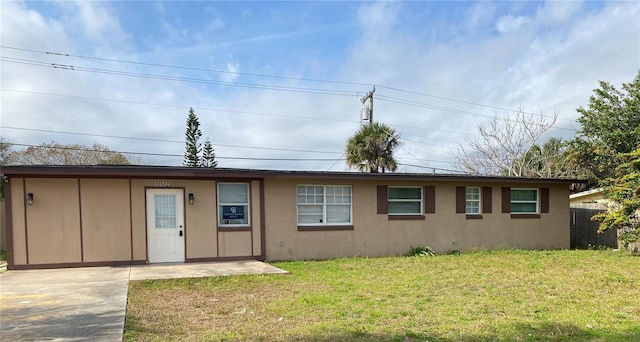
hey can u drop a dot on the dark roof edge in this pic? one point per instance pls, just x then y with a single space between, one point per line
134 171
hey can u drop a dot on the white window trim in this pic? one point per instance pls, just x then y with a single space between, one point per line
528 212
389 200
248 204
479 200
324 207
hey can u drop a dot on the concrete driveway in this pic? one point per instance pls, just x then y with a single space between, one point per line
80 304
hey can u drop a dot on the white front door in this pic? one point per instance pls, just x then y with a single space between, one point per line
165 225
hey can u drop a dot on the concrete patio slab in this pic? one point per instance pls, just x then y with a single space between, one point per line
197 270
63 305
88 304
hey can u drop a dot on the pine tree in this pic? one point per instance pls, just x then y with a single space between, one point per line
193 134
208 155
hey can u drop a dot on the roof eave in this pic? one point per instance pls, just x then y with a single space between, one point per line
170 172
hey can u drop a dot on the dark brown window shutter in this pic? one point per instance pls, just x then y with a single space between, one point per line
429 199
544 200
486 199
461 195
383 199
506 200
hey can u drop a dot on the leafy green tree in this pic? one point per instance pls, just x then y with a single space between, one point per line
610 127
624 192
208 155
371 148
193 134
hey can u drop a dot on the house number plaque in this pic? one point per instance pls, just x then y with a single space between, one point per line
162 184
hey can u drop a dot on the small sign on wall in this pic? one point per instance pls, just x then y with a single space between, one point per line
233 212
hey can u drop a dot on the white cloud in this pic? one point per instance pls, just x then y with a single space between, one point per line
537 66
233 67
97 22
510 23
557 12
480 15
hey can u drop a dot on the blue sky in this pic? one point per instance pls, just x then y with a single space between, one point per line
282 80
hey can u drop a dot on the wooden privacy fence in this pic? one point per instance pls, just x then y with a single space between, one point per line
584 232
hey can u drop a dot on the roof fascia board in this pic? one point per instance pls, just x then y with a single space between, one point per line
200 173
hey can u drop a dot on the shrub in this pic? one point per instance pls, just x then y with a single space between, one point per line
422 251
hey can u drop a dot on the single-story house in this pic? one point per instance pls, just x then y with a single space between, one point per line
69 216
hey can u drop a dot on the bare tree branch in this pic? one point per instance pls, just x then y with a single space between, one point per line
501 144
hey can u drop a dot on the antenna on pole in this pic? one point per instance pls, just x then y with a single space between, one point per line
367 111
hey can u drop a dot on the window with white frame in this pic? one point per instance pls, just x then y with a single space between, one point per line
405 200
233 204
324 205
524 201
472 200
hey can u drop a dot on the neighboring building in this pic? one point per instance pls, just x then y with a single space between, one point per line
68 216
590 199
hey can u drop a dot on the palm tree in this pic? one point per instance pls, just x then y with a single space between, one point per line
371 148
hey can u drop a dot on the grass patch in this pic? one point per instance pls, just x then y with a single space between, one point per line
480 296
3 255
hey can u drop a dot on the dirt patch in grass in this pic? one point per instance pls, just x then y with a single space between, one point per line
483 296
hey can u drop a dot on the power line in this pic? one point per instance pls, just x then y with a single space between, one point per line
162 140
227 111
462 101
432 168
428 106
179 106
186 68
181 142
246 85
180 79
267 76
168 154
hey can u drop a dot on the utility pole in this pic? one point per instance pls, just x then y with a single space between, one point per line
367 111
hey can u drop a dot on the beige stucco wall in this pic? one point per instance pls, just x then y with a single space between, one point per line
109 217
376 235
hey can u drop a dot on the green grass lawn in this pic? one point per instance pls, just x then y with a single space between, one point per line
481 296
